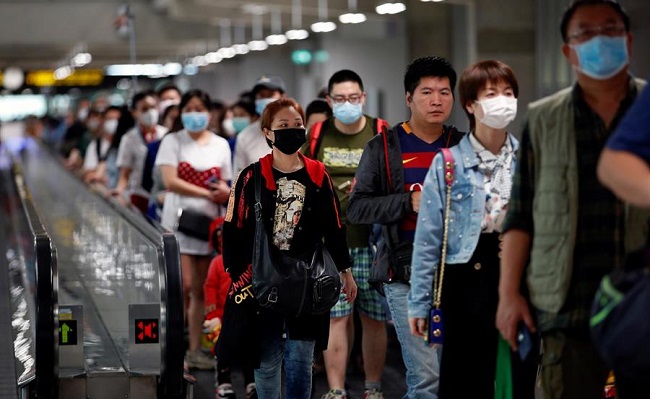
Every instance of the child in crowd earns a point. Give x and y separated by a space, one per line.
216 289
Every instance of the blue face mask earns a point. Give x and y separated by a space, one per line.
602 56
240 122
347 113
261 103
195 122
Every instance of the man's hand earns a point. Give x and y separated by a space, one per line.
349 287
415 200
512 309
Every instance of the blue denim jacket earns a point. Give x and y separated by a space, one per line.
466 214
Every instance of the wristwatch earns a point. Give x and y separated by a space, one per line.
346 270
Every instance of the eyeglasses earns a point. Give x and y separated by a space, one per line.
585 34
353 99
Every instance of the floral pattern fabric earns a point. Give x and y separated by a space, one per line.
497 179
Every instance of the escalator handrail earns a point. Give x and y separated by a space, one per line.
47 337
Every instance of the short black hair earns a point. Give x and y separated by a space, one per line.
432 66
344 75
141 96
247 106
112 108
318 106
167 87
575 4
200 94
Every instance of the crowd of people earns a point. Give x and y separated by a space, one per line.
491 236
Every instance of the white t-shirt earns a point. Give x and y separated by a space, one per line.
91 161
132 154
180 148
250 146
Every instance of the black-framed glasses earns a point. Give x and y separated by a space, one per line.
590 32
352 98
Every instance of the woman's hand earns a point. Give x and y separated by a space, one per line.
219 192
418 326
349 287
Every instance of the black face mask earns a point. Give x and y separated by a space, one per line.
289 141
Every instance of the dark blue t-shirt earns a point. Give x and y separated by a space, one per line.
633 132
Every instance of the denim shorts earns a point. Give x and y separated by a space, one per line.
368 301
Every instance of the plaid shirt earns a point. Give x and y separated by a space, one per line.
599 243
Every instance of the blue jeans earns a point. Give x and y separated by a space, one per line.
422 362
298 357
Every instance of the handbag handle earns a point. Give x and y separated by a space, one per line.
448 159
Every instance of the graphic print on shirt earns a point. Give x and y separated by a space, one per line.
341 157
288 208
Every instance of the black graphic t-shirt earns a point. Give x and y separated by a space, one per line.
290 198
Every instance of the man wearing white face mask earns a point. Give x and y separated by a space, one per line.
94 167
250 143
564 230
132 151
338 142
168 95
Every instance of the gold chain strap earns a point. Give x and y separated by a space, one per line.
440 271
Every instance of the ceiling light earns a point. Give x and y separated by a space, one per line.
213 57
63 72
352 16
81 59
199 60
319 27
241 48
258 45
390 8
323 25
172 68
275 40
190 69
297 34
227 52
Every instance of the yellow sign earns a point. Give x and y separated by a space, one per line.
80 77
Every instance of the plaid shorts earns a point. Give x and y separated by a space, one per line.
368 300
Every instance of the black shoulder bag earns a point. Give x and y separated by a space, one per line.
309 284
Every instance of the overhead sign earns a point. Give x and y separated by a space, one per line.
80 77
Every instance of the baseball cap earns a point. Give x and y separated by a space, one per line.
269 82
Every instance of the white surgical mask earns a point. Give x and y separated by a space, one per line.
149 118
110 126
162 105
498 111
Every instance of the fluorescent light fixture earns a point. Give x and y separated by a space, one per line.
134 69
297 34
199 60
81 59
190 69
172 68
241 48
276 40
226 52
390 8
352 18
63 72
213 57
322 27
258 45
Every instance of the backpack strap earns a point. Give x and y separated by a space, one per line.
384 134
316 138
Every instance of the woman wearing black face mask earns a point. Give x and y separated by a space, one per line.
299 208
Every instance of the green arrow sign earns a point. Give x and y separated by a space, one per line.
68 333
